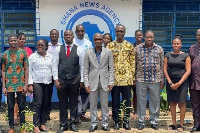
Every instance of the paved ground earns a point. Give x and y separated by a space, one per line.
53 124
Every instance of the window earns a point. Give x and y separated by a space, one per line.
17 16
169 17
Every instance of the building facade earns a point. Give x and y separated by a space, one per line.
36 18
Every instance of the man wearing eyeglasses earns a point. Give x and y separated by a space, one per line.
69 66
99 80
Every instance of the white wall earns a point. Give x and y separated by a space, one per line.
53 12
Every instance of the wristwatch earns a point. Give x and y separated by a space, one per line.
170 84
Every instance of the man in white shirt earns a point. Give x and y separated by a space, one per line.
83 98
53 48
69 64
54 45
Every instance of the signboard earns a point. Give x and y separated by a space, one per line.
96 15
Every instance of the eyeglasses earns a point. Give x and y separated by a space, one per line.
42 45
121 31
98 39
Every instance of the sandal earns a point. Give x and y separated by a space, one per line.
172 127
16 121
85 118
180 128
134 116
99 118
110 113
146 117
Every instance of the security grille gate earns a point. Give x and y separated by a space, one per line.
17 16
169 17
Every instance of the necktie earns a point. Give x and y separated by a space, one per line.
68 50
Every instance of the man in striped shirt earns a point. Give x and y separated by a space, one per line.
149 77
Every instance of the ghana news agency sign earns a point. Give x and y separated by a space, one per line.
95 16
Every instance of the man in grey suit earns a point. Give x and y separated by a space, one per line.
99 79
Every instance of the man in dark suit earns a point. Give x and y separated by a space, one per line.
69 67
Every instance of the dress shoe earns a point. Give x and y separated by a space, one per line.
155 126
116 126
44 130
195 129
74 128
140 127
126 126
62 129
11 131
93 128
105 128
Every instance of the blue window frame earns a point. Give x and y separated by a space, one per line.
169 17
17 16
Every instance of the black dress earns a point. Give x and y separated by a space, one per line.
176 69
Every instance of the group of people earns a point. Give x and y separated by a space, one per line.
81 73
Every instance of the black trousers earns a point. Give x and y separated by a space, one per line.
50 94
41 98
69 90
126 95
21 100
195 100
